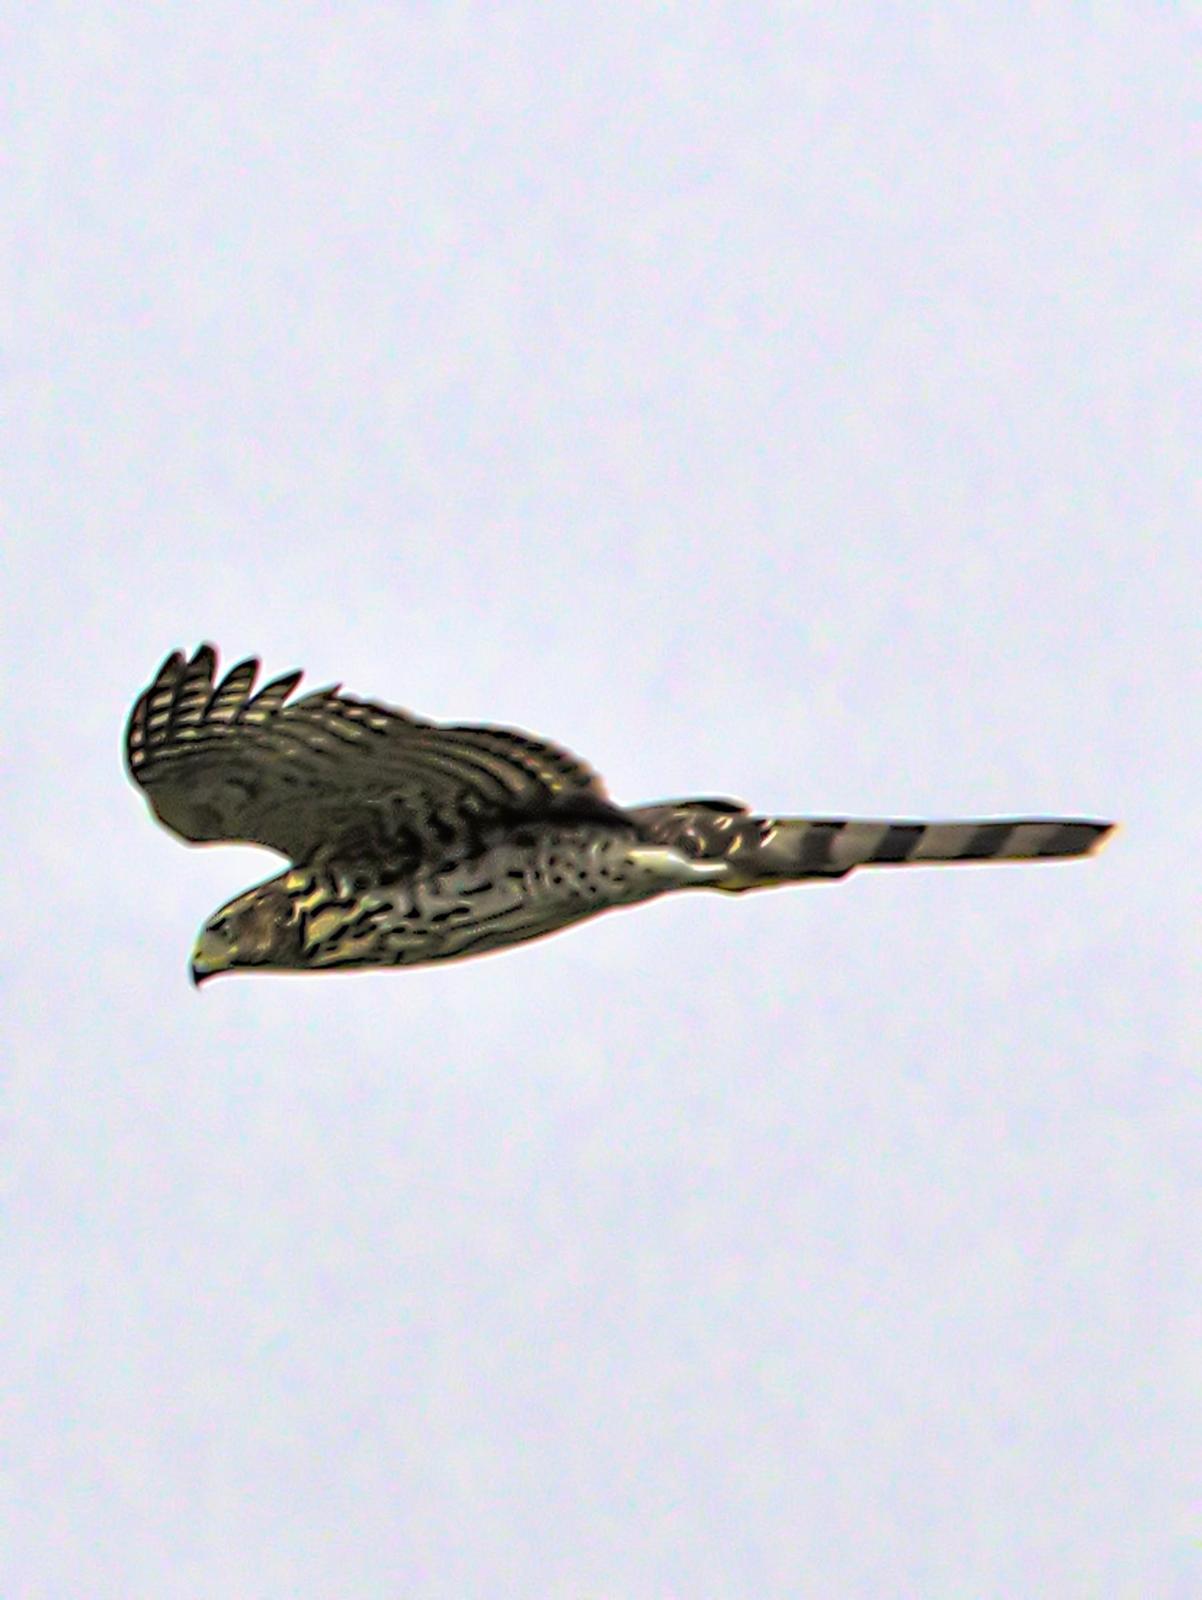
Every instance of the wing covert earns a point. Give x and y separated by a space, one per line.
328 775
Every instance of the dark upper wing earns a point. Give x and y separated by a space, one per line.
330 776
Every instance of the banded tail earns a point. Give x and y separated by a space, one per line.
762 852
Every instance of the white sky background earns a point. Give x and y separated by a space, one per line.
791 402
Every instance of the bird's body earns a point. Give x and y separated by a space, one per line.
507 887
412 842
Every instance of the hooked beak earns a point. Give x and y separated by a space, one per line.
212 954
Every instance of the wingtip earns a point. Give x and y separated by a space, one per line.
171 664
178 660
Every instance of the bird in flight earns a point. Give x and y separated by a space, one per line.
413 841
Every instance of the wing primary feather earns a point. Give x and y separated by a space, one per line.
161 695
229 697
316 696
271 697
193 689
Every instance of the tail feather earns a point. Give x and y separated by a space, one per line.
764 851
846 844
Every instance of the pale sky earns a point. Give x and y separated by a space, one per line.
793 402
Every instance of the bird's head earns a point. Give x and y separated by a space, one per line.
259 929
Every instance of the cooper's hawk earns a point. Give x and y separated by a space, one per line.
414 841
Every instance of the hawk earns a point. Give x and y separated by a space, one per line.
412 841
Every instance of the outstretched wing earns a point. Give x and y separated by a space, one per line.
330 776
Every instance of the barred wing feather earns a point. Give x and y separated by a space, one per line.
330 775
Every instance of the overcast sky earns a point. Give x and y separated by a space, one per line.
793 402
